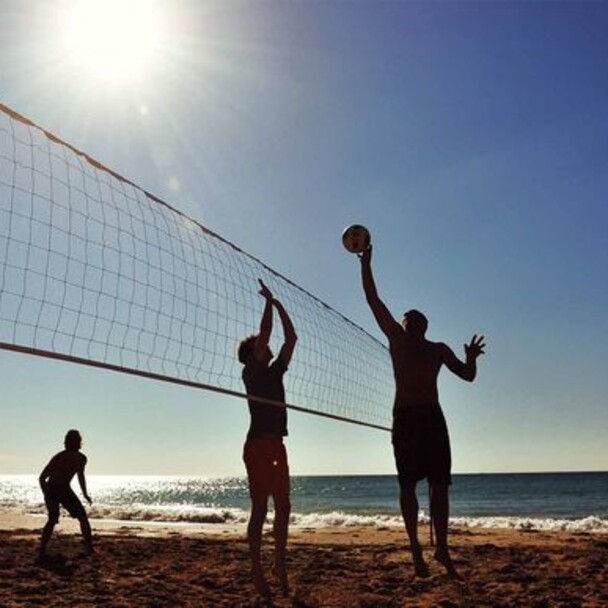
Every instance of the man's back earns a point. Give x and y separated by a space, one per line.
64 465
416 365
266 381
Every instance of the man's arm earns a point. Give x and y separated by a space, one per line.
83 482
45 475
289 334
383 317
261 343
466 370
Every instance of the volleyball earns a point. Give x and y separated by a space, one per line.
356 238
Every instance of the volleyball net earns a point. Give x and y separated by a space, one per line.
97 271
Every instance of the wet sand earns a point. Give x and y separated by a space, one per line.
159 565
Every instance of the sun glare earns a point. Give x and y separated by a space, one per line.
112 40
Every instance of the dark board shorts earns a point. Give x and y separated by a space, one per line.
56 496
267 468
421 444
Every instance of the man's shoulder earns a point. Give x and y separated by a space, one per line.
441 347
442 351
253 368
278 364
79 461
54 459
397 333
252 364
68 458
76 457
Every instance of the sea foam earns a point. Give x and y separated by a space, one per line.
334 519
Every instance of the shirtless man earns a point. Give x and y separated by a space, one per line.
420 438
55 483
264 452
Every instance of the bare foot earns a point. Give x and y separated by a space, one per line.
280 571
259 581
421 570
443 557
87 553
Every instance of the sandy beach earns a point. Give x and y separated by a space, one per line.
160 565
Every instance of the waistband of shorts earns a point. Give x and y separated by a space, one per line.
402 410
265 439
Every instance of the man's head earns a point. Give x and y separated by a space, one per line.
72 440
246 348
415 323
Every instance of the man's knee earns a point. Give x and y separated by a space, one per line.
282 505
53 516
439 489
259 504
408 489
83 519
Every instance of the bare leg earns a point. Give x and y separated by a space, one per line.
409 509
85 528
281 524
259 508
46 536
440 510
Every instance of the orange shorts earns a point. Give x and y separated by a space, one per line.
267 468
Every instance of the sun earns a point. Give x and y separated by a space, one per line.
112 40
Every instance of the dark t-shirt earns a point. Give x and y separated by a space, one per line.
262 381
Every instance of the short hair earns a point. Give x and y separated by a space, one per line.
246 347
72 440
417 318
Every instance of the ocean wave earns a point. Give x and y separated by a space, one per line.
161 513
334 519
338 519
591 524
341 519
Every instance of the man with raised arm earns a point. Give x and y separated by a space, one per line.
264 452
420 438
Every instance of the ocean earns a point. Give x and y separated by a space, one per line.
576 502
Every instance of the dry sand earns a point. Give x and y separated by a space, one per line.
158 565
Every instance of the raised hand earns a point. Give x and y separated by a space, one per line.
366 255
264 291
475 347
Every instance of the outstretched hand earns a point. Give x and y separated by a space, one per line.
475 347
264 291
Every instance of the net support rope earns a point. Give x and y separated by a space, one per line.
96 271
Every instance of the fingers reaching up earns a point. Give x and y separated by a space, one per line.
475 347
264 291
366 255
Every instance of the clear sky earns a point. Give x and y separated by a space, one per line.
472 140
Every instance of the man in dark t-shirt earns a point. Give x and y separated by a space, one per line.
55 484
264 452
266 381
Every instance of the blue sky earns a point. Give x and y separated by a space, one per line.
472 140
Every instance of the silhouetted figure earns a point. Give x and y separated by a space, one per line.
264 452
55 483
420 436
